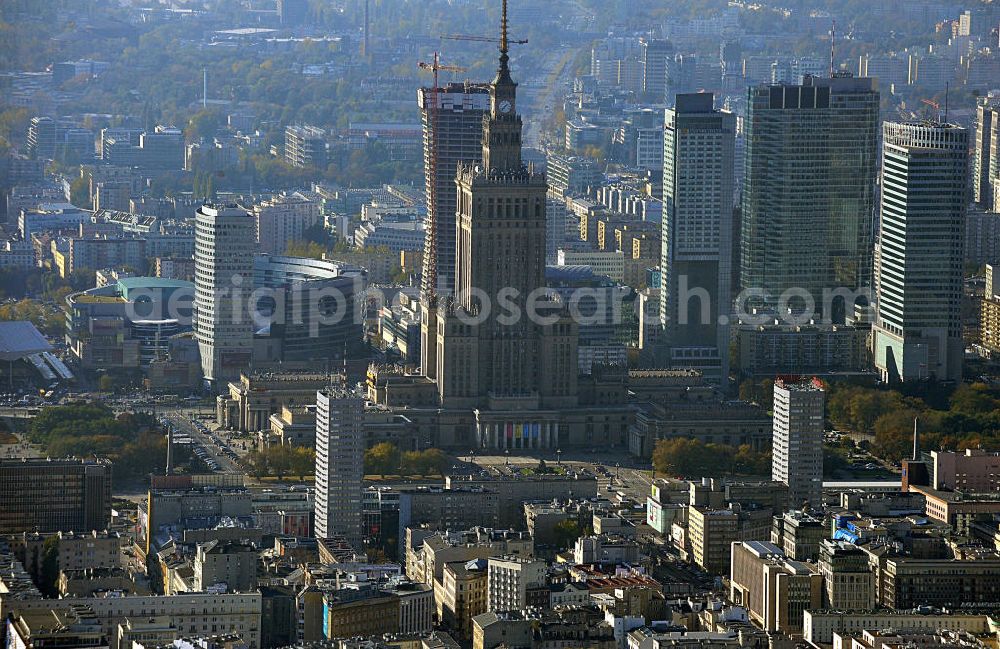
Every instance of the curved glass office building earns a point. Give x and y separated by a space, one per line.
306 309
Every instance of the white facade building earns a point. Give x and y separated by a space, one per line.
508 582
920 255
225 244
284 219
798 441
394 235
610 262
340 455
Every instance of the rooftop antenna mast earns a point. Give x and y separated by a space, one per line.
947 91
833 46
367 44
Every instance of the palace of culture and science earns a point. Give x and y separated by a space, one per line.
499 383
490 381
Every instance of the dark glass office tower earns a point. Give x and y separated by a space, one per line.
809 197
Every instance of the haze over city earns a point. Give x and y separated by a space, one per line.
469 324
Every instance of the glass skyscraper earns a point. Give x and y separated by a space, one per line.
918 276
809 197
696 250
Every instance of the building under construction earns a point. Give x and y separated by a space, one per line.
453 133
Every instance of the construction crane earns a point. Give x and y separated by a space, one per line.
937 106
480 39
429 283
933 104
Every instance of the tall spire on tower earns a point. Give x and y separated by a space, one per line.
503 28
502 133
503 73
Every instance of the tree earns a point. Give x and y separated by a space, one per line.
51 322
834 461
566 533
202 126
759 392
973 399
382 459
318 233
303 462
308 249
434 461
412 464
894 435
106 383
133 441
694 458
259 464
79 193
747 460
684 457
49 579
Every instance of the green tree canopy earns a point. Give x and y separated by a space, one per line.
693 458
382 459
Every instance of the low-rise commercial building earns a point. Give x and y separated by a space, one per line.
604 549
820 625
46 495
461 595
958 508
231 565
510 578
775 589
190 613
713 531
513 489
448 509
428 552
360 608
129 324
907 582
848 577
62 626
972 470
799 534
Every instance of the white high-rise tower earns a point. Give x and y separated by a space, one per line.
920 268
340 457
798 441
225 245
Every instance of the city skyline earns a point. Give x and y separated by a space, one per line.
647 325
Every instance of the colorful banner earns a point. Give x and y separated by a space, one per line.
510 431
536 431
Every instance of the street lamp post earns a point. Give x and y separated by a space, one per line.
559 456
